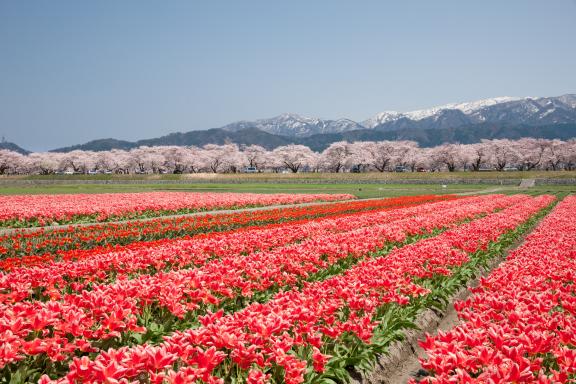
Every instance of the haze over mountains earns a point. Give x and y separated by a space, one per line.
501 117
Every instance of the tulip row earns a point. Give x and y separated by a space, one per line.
84 321
39 210
520 324
301 335
40 246
52 279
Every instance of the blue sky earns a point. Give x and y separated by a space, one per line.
73 71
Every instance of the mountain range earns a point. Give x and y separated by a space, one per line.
500 110
500 117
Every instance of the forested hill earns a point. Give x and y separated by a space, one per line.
434 137
219 136
13 147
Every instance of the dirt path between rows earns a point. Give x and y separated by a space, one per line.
410 368
482 191
402 361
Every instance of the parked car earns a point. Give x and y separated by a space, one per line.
486 168
250 170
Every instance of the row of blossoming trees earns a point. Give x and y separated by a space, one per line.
499 155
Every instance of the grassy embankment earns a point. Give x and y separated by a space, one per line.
363 185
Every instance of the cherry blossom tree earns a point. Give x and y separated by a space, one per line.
78 161
530 152
193 159
120 161
451 156
403 152
294 157
147 159
360 158
273 162
418 159
526 154
502 153
225 158
234 159
256 156
336 157
44 163
570 155
477 154
9 161
380 154
175 158
104 161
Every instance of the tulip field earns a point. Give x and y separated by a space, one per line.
295 294
71 242
38 210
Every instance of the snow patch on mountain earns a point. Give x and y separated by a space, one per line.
381 118
467 108
505 110
292 124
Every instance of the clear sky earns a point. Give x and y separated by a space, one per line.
77 70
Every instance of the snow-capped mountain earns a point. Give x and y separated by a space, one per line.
466 108
293 125
501 110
